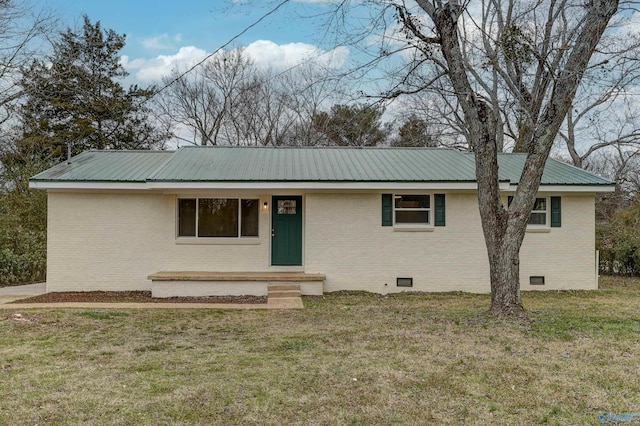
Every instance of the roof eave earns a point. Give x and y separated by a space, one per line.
310 185
53 184
573 187
262 185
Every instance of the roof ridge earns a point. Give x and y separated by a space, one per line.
354 148
128 151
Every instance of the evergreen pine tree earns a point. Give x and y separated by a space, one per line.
75 97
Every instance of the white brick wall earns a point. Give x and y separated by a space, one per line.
109 241
344 232
565 256
345 240
114 241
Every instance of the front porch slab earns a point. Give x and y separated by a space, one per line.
203 283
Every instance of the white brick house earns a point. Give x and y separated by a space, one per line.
381 220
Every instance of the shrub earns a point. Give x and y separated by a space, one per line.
619 242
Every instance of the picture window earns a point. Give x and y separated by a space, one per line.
218 217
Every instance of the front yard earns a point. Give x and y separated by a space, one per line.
345 359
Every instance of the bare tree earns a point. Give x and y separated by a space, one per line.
610 122
190 105
230 101
205 100
605 112
620 164
535 54
511 70
309 89
23 32
264 117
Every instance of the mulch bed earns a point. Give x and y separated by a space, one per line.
134 297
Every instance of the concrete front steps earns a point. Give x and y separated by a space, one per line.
284 290
284 295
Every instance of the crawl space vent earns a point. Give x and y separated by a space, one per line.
404 282
536 280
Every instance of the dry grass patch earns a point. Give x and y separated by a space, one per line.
347 359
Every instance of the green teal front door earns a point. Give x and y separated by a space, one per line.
286 230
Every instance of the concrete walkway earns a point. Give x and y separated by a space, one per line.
10 294
24 290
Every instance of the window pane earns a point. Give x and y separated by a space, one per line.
540 204
412 216
217 217
186 218
412 201
249 213
538 219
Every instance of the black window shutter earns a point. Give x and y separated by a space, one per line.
556 213
387 209
439 210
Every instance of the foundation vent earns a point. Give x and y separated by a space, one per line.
404 282
536 280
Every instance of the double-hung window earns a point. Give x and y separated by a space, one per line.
546 212
412 209
218 217
539 212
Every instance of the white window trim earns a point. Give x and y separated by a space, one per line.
222 241
547 220
412 227
547 217
216 240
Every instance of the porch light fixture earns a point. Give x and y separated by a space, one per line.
265 206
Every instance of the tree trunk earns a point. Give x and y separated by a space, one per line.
504 229
504 270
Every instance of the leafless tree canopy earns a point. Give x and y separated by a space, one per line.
230 101
508 71
23 33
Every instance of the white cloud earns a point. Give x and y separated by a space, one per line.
264 53
150 70
162 41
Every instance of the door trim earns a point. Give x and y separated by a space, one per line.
301 212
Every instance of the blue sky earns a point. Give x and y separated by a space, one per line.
161 33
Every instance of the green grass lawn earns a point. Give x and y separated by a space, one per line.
347 359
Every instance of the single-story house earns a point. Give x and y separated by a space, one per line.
227 220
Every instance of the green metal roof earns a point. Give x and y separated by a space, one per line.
555 172
241 164
107 166
257 164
